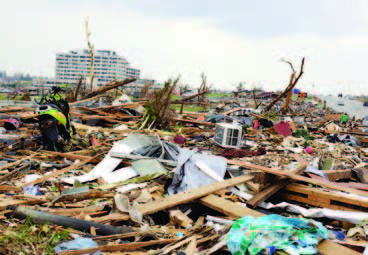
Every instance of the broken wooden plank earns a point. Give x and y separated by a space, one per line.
117 236
334 175
190 195
62 171
325 199
234 210
326 184
5 203
266 193
10 188
208 124
70 156
328 247
111 217
4 177
14 164
178 217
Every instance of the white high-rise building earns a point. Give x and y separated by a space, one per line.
108 66
132 73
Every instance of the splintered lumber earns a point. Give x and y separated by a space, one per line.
70 156
62 171
82 196
111 217
296 177
325 199
10 188
262 196
12 202
72 211
334 175
190 195
4 177
194 122
14 164
110 87
40 217
118 236
227 207
119 247
83 101
328 247
178 217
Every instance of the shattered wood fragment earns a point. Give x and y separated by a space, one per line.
262 196
325 199
178 217
227 207
62 171
118 236
297 177
4 177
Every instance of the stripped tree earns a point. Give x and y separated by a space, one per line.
292 83
158 113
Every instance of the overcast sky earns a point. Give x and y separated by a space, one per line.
231 41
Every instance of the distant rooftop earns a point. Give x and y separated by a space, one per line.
97 52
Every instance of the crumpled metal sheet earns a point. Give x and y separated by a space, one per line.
145 146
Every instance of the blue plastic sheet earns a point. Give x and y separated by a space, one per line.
77 244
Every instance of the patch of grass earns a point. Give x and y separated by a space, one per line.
218 95
189 108
272 116
3 97
28 238
362 99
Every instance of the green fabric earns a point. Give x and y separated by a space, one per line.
344 118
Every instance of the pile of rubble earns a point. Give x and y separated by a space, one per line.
229 180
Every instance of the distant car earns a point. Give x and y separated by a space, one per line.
365 104
340 103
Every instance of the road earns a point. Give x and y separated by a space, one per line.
351 107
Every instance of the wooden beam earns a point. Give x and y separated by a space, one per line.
326 184
269 191
184 197
334 175
234 210
322 198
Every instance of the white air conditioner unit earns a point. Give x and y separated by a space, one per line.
228 135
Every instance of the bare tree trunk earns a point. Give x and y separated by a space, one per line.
109 87
292 83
